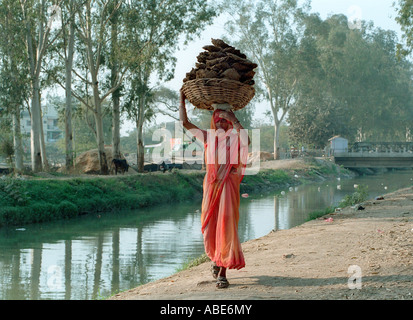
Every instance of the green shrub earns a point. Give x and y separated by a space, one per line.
359 196
40 212
8 215
67 209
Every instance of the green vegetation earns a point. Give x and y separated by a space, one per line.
193 262
319 213
359 196
32 201
265 179
41 200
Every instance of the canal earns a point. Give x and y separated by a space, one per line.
96 256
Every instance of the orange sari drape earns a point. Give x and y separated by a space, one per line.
225 157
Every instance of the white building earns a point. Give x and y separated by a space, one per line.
337 145
50 120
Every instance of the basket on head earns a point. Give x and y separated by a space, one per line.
203 93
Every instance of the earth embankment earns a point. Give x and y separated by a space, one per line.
345 255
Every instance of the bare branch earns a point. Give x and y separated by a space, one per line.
78 97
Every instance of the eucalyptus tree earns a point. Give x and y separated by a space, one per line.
156 27
269 33
59 64
14 84
37 18
79 65
93 32
68 12
114 66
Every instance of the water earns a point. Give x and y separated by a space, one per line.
98 255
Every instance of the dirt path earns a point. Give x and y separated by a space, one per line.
312 261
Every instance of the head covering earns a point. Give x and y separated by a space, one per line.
216 117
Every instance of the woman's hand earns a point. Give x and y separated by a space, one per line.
229 115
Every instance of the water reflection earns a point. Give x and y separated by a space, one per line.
96 256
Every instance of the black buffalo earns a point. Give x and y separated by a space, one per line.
151 167
120 164
169 166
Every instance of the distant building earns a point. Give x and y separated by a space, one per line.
51 131
337 144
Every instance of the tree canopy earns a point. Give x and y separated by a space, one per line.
356 87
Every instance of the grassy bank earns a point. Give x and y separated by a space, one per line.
33 201
25 201
39 200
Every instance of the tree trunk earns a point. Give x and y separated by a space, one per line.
99 134
116 127
35 128
276 140
97 105
17 140
116 94
68 87
35 56
45 163
139 127
68 122
408 135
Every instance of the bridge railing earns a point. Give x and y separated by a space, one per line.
381 147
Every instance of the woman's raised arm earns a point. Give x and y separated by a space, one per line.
197 132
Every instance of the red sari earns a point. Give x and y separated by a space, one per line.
225 155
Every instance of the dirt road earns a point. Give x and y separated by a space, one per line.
351 254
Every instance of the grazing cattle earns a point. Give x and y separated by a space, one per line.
151 167
119 164
169 166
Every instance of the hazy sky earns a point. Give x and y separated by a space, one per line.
381 12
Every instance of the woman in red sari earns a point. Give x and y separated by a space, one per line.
226 152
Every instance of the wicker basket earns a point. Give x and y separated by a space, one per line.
202 93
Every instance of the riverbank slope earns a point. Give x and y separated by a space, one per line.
349 254
45 197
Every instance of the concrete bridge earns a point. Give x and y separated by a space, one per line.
376 155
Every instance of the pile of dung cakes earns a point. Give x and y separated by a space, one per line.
222 61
